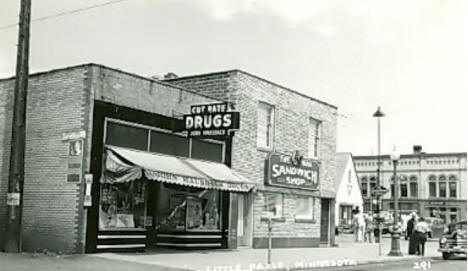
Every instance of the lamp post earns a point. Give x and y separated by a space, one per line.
378 114
395 248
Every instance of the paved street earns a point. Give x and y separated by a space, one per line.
360 256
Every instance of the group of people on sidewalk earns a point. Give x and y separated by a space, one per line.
363 226
416 232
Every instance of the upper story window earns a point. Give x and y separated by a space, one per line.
314 138
364 188
452 189
265 125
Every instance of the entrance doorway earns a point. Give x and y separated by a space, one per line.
324 221
244 221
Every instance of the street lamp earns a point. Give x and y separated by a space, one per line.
395 249
378 114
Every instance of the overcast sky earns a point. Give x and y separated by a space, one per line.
409 57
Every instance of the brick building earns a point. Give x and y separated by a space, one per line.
108 166
431 184
275 119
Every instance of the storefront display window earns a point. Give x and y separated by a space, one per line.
188 209
303 208
273 206
122 205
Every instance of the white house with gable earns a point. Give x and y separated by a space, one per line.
348 192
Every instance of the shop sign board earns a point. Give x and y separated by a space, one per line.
211 120
282 170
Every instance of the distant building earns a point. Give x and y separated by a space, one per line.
348 192
431 184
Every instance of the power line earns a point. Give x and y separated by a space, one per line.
66 13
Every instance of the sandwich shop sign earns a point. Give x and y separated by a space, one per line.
211 120
288 171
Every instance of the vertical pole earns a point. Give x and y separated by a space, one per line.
378 186
269 238
16 170
395 245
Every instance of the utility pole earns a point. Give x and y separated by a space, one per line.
18 134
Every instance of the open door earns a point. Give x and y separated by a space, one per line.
324 221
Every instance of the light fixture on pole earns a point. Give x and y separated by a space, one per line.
378 114
395 248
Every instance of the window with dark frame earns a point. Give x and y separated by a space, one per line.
452 189
414 189
403 190
442 190
432 189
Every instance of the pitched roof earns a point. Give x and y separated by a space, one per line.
341 162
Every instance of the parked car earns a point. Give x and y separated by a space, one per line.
454 240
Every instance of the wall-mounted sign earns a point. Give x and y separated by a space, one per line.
73 135
211 120
75 147
13 199
280 171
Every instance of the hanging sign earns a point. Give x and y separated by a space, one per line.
285 171
211 120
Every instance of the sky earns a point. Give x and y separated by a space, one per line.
408 57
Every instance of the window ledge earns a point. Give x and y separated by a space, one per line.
301 220
264 149
278 219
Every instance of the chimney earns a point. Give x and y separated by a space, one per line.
170 75
417 149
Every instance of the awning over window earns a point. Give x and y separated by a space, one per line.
170 169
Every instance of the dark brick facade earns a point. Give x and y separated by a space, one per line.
61 101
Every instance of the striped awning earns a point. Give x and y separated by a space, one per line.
124 165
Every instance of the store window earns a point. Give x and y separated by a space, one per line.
169 144
122 135
206 150
273 206
265 122
442 190
452 189
314 138
122 205
304 208
188 209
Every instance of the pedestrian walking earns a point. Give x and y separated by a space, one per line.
358 225
411 234
420 231
369 229
410 226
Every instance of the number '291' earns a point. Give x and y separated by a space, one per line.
422 265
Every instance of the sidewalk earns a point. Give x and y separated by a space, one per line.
348 253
